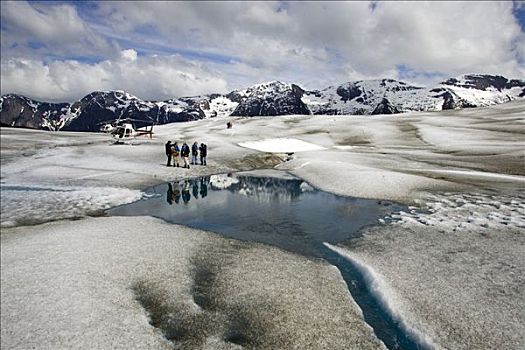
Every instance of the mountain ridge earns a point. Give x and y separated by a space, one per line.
362 97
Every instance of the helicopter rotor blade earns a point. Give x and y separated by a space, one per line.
110 121
136 120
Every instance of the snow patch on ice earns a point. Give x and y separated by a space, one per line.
221 182
345 148
281 145
460 211
22 205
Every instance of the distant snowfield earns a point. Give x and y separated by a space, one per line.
282 145
452 268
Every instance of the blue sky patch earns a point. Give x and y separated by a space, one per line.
408 73
519 13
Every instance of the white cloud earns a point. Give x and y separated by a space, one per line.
58 29
448 37
313 44
129 55
146 77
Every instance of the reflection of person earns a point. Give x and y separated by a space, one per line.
169 194
186 192
204 188
176 193
195 189
167 146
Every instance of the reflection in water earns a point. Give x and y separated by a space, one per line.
204 187
199 188
195 189
173 194
186 192
287 213
263 189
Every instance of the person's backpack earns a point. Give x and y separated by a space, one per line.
176 150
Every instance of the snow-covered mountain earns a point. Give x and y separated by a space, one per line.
92 110
385 96
388 96
20 111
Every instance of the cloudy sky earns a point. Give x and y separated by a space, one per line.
62 50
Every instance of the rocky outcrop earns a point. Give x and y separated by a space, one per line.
485 82
273 98
385 107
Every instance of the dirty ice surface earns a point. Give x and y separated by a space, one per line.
137 282
454 273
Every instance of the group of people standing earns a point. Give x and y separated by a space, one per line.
174 151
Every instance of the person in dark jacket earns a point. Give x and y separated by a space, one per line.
185 153
194 153
204 153
167 146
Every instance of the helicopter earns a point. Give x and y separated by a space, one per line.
122 130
